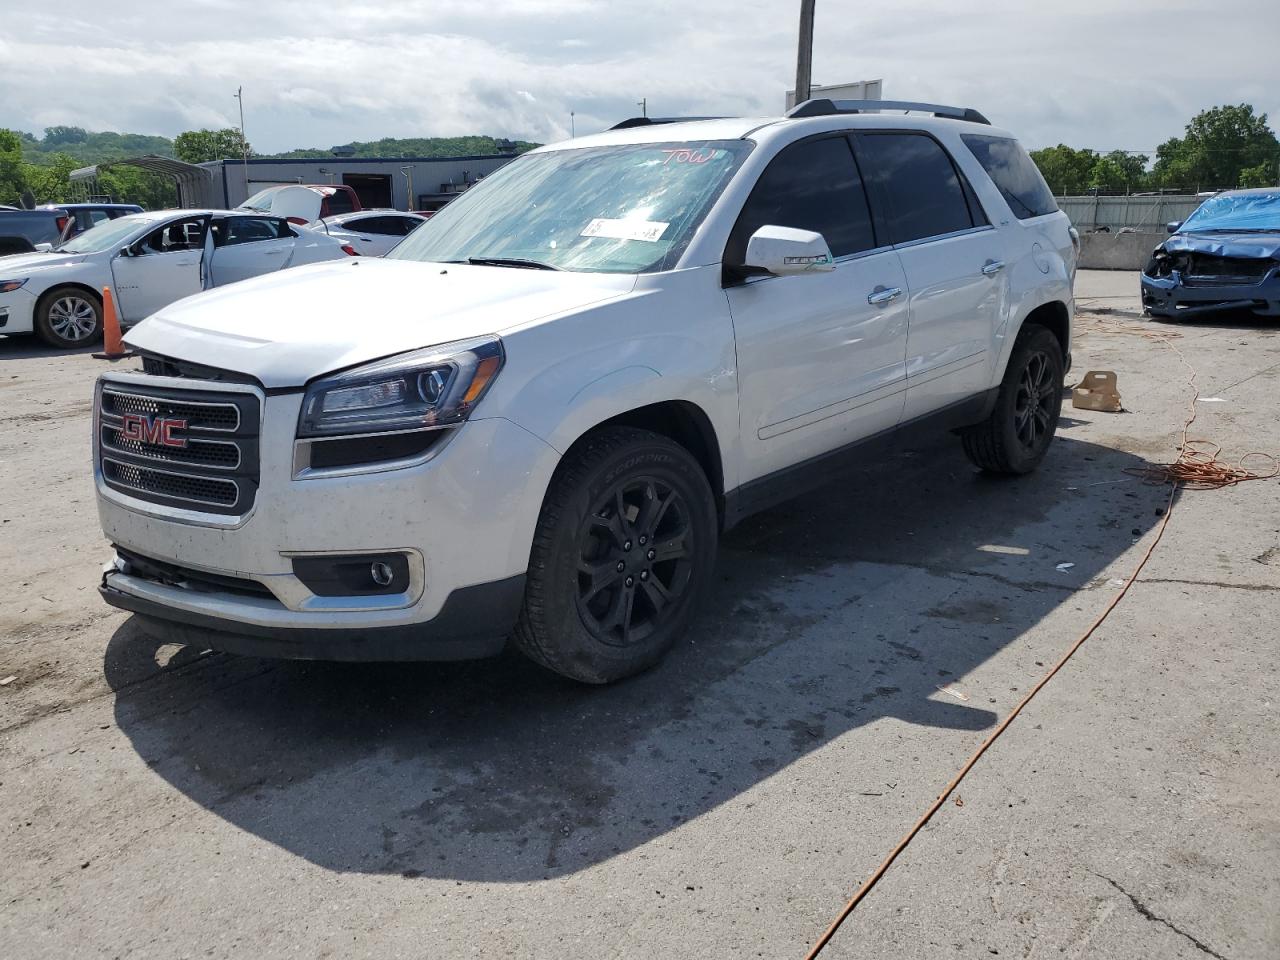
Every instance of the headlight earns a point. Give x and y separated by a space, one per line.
8 286
435 387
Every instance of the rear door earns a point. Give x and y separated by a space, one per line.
954 262
375 234
246 246
820 356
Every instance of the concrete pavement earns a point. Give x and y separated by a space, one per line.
862 640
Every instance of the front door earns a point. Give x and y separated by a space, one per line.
821 356
954 260
162 267
246 247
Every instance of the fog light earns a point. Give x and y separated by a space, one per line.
353 575
381 573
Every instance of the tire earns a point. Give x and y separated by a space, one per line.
1015 437
624 548
69 317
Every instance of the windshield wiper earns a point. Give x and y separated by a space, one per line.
510 262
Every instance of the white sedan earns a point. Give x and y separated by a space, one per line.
149 260
372 232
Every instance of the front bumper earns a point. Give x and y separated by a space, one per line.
463 517
1170 296
17 310
473 622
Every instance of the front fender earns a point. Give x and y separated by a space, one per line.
670 343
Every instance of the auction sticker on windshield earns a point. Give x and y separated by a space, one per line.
649 230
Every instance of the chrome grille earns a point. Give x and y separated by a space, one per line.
200 416
194 449
218 454
165 483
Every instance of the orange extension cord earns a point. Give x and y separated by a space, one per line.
1196 468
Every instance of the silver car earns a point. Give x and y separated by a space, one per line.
372 232
149 260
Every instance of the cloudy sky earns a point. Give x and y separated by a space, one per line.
1088 73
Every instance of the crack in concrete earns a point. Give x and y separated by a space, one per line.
1213 583
1250 377
1145 911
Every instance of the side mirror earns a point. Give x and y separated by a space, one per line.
126 251
1173 225
787 252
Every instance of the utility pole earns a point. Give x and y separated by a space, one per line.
407 170
571 133
643 104
244 145
804 54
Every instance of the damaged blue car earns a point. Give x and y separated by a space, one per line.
1225 256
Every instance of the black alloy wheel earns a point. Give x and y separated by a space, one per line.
1034 410
1016 435
624 547
635 560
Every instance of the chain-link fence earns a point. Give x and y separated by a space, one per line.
1137 213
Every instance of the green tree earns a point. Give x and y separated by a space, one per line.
413 147
12 181
50 181
1118 172
57 136
1065 169
1266 174
199 146
1219 147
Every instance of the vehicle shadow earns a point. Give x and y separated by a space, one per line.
1221 320
21 347
845 607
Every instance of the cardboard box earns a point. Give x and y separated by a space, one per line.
1097 390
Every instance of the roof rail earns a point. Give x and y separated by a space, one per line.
825 108
646 121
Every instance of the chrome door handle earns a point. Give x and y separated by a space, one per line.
992 267
883 295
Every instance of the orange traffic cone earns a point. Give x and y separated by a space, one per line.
112 342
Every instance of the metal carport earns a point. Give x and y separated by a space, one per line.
194 183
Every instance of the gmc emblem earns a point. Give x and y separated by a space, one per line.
154 430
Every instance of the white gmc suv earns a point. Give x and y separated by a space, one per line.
533 419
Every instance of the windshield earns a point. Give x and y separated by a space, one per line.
614 209
1241 211
104 236
260 201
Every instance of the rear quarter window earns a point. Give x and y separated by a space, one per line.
1014 173
923 193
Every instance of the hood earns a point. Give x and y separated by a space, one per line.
1259 246
24 264
289 327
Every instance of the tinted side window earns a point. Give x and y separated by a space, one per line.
922 191
248 230
1014 173
813 185
382 226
